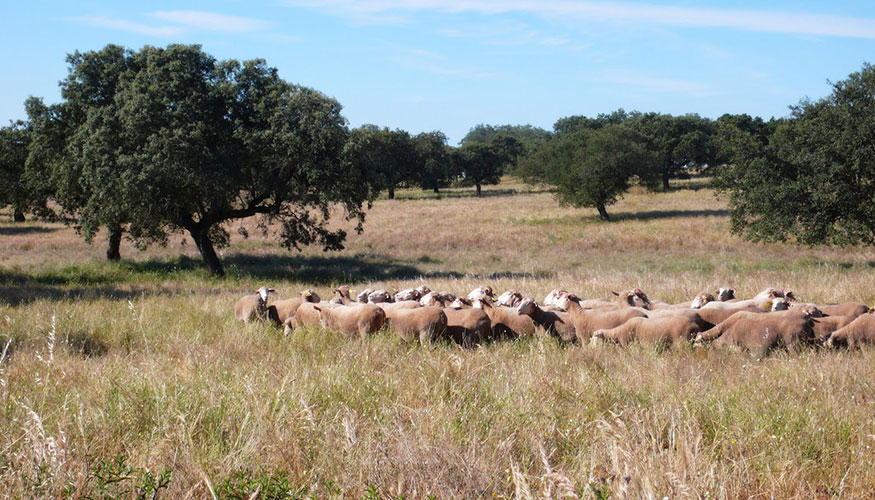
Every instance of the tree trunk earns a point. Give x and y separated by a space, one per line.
205 247
665 175
602 212
478 189
115 240
436 189
392 191
18 215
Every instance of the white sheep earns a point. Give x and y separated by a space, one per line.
253 306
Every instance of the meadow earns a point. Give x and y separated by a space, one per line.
134 379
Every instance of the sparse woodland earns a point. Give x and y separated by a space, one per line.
130 377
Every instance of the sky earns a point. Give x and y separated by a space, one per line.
449 65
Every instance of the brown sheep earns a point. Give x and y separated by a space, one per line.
854 334
717 316
555 323
411 293
587 321
761 333
467 327
390 307
253 306
425 323
846 309
306 316
282 310
825 326
669 329
689 314
633 298
506 322
481 292
437 299
361 319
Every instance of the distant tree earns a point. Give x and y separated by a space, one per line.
388 157
484 163
190 144
576 123
528 136
591 167
434 168
727 126
14 189
680 141
813 180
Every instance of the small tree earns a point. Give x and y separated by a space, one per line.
482 163
680 141
591 168
813 180
434 168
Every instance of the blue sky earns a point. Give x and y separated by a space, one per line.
423 65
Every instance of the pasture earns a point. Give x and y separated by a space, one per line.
134 379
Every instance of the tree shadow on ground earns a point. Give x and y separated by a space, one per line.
466 193
19 230
664 214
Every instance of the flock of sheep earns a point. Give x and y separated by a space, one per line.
772 318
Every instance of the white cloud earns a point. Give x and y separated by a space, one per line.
129 26
209 21
766 21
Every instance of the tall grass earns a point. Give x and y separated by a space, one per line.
134 379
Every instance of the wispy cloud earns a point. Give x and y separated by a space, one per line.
208 21
767 21
129 26
438 64
652 83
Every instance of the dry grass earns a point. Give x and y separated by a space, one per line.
117 372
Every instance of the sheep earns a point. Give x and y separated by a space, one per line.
689 314
717 316
725 294
282 310
467 326
363 295
510 298
825 326
481 292
673 329
390 307
361 319
765 303
553 322
412 293
587 321
437 299
254 306
761 333
426 323
854 334
846 309
342 296
506 322
552 297
562 302
379 296
633 298
461 303
306 316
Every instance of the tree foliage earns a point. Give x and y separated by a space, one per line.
814 179
169 139
434 166
15 190
681 142
484 163
388 157
591 167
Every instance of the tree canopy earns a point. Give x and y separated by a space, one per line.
170 139
484 163
14 188
814 179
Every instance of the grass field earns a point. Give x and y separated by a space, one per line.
134 379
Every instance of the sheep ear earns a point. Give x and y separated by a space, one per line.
615 293
871 310
317 308
271 290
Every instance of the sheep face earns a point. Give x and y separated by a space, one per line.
552 297
481 292
463 303
725 294
263 293
363 296
564 299
310 296
527 306
379 296
637 298
779 304
700 300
